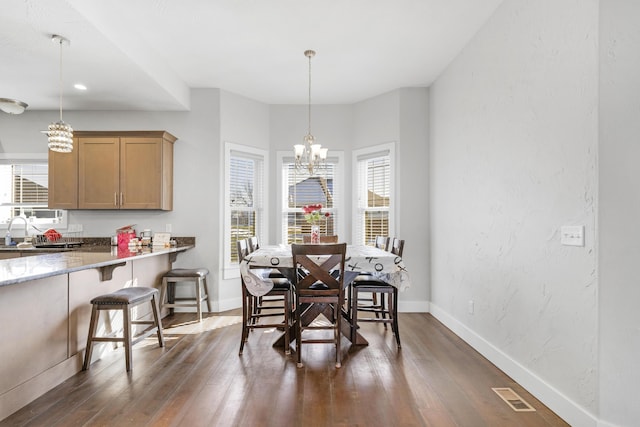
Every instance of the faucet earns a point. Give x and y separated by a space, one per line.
26 225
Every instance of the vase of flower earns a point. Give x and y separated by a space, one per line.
312 215
315 234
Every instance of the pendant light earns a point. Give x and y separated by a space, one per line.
309 156
60 133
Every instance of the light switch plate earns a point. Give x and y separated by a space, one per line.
572 235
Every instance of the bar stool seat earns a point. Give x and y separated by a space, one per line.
124 299
196 275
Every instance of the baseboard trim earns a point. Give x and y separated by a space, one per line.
413 306
30 390
567 409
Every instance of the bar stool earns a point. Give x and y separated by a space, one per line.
196 275
124 299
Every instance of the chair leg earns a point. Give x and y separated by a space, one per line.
199 300
298 337
155 306
245 318
92 331
287 310
126 326
206 290
395 314
374 303
163 292
338 332
354 314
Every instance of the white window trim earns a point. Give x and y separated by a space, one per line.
338 201
12 158
231 271
391 147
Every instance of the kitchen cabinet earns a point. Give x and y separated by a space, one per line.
119 170
63 179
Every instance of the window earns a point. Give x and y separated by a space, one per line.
24 192
300 189
373 193
245 211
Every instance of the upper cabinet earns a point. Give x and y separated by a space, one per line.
114 170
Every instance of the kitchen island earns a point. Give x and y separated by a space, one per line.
45 310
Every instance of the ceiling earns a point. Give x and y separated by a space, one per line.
147 54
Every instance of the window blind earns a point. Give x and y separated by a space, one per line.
374 197
24 191
245 199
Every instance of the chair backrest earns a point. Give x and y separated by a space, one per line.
316 263
396 247
253 243
382 242
306 238
242 246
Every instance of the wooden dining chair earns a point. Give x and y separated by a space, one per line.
387 309
373 302
253 243
382 242
256 309
319 287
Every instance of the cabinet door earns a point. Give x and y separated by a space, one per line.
98 173
63 179
141 173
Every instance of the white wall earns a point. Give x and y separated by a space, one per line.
619 209
513 158
401 116
246 122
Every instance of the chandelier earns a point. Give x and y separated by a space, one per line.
309 156
60 134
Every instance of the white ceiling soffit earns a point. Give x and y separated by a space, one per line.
146 55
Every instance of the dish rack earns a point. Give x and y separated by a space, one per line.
66 240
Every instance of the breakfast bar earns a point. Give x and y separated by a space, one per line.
45 299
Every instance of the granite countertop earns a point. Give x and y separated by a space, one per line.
23 269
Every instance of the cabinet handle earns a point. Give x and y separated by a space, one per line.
115 199
121 200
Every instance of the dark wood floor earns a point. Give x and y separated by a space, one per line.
198 379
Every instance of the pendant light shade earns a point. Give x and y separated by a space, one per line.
60 133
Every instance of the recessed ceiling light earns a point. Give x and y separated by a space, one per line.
80 86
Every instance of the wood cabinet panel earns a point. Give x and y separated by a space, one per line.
114 170
63 179
141 173
99 177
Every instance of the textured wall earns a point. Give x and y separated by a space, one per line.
513 158
619 209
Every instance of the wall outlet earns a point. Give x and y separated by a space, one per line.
470 307
167 228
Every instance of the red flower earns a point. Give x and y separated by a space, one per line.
327 214
311 208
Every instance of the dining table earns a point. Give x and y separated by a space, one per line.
258 265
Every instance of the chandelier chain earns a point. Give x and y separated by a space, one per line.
61 86
309 107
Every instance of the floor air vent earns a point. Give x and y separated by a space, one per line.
512 399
